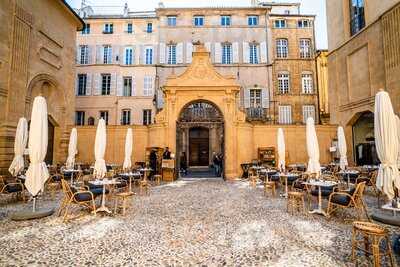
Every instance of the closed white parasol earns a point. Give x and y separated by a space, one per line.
128 150
387 146
72 150
21 138
342 148
281 150
100 149
312 148
37 173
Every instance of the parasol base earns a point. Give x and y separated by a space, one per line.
386 218
30 215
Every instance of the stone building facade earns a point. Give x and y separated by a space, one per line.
37 57
363 58
241 41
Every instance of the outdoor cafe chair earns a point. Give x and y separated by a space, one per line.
11 188
77 196
353 198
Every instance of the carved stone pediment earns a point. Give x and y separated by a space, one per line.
201 73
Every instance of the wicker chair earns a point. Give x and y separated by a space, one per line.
81 197
348 199
11 188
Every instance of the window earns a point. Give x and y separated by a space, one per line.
285 114
127 90
105 84
283 83
82 81
104 115
149 27
90 121
357 19
107 54
79 117
227 54
149 56
304 23
307 83
281 48
146 116
128 60
198 21
84 54
308 111
255 98
253 53
287 12
252 20
148 86
129 28
126 117
171 21
172 54
225 20
305 48
280 23
86 29
108 28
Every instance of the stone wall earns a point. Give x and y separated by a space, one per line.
249 138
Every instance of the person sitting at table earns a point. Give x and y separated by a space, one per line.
167 153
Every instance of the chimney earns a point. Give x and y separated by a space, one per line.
126 10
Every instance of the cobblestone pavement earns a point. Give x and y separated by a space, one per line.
204 222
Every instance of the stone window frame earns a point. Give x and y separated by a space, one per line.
282 47
285 118
307 110
307 83
283 78
126 116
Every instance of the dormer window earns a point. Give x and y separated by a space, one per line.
149 27
108 28
280 23
86 29
304 23
129 28
171 21
225 20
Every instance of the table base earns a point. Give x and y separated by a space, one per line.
318 211
103 209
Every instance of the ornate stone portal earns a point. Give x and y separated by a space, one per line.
200 103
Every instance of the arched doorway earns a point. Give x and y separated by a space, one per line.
200 134
364 139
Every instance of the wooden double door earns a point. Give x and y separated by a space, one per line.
199 146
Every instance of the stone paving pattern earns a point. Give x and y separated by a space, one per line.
203 222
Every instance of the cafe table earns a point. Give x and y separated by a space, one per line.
104 182
320 184
130 175
285 176
72 172
349 174
145 172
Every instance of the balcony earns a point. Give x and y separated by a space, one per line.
257 114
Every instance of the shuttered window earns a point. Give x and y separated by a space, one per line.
285 114
283 83
308 111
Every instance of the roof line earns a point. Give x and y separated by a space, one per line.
64 2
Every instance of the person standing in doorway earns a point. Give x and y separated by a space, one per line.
215 163
220 164
167 153
153 162
183 163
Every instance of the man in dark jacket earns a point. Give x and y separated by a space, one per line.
167 153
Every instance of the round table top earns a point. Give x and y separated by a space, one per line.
104 182
145 169
66 170
128 174
287 175
349 172
269 171
321 183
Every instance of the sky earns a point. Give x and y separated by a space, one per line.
309 7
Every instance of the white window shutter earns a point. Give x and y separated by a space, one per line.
162 48
152 83
235 51
264 98
246 98
133 86
189 52
76 84
110 55
99 54
113 83
120 85
97 84
138 54
142 55
116 55
179 53
246 52
122 60
88 84
217 53
208 47
160 99
263 52
78 54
